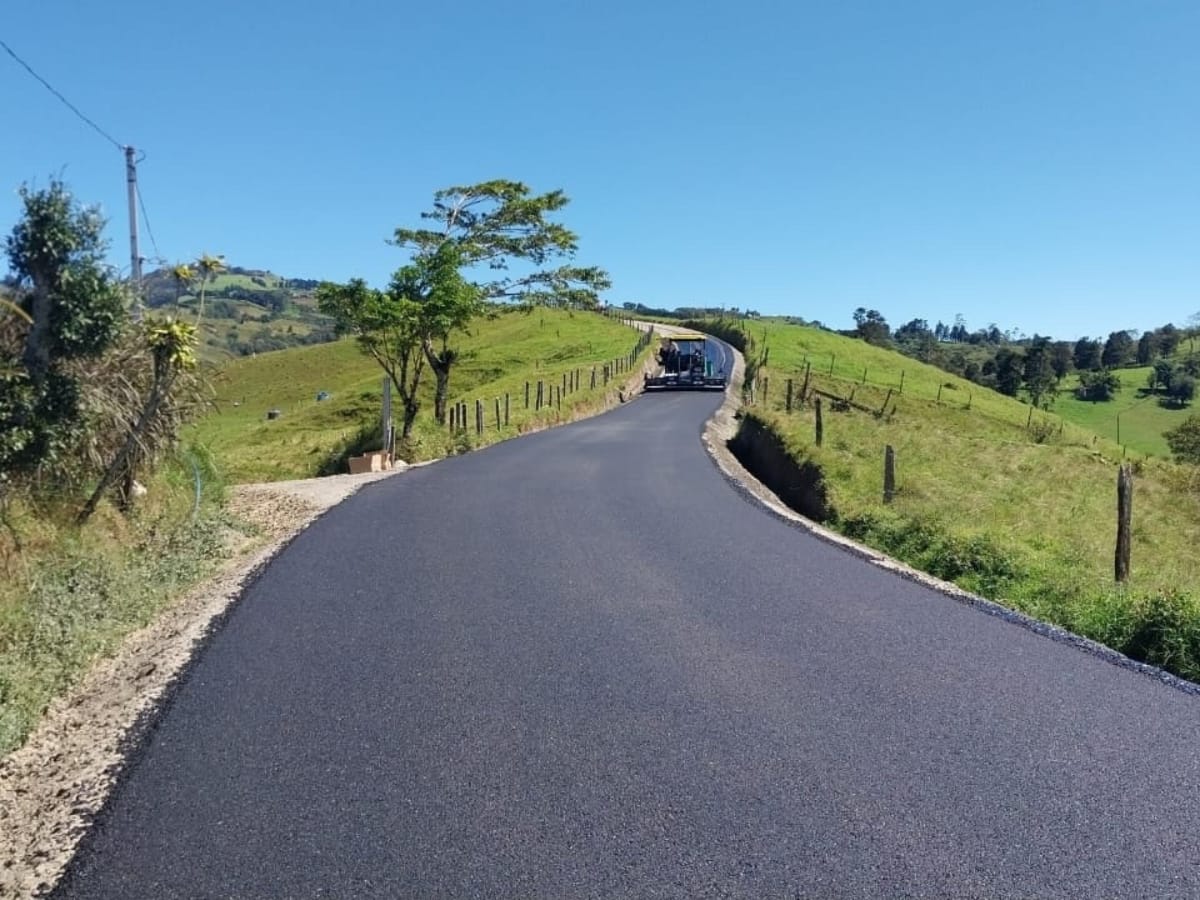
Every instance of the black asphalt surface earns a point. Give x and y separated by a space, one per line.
581 665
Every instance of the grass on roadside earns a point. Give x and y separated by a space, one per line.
69 595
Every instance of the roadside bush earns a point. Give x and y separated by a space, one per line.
1161 629
1184 440
973 562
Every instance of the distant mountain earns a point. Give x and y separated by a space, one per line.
246 311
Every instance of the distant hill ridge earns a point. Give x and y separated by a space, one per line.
246 311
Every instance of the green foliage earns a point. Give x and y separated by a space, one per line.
1087 354
387 326
972 561
1119 350
1162 628
1181 389
74 311
1184 440
171 345
1009 372
872 327
1038 373
1098 386
56 254
81 592
494 223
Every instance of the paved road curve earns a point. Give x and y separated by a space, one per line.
581 665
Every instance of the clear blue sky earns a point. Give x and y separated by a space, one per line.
1032 164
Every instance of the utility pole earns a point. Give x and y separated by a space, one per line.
135 259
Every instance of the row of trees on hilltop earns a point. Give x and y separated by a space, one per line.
1011 363
474 231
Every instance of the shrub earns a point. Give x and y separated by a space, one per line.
1184 440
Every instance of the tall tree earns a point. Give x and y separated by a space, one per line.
1168 338
1061 358
387 326
1009 371
485 228
1038 372
1184 440
1087 354
1118 350
448 303
73 309
871 326
1145 348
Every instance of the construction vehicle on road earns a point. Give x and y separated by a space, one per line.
685 364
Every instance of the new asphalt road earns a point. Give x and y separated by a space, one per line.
581 665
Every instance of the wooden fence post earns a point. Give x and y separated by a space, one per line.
527 395
889 473
479 417
864 380
453 416
804 390
788 401
497 413
506 410
1124 521
820 425
939 396
901 381
886 401
1029 421
765 382
593 378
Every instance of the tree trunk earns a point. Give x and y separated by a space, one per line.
441 393
440 363
410 415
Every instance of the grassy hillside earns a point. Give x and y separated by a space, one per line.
498 357
1143 418
246 312
1020 508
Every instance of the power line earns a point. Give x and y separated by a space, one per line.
71 106
150 231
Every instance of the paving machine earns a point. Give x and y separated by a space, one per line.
684 364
